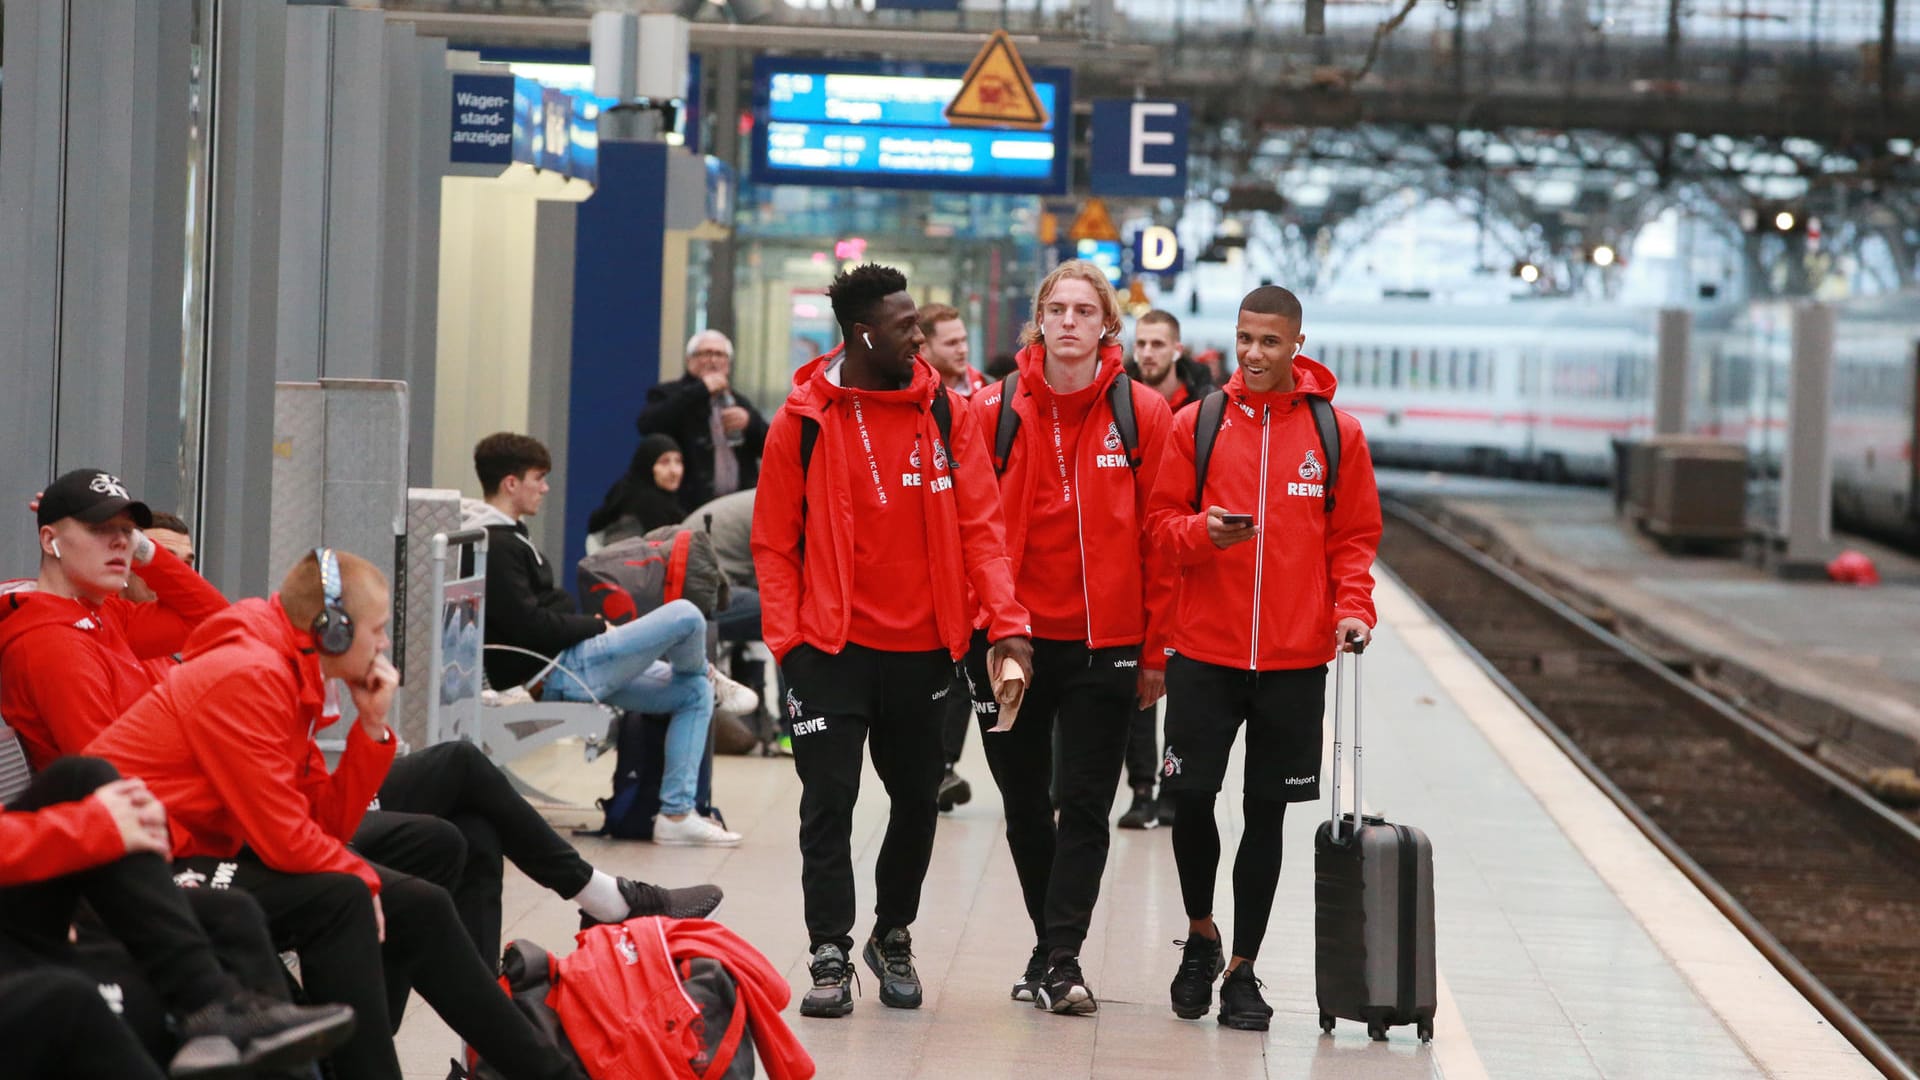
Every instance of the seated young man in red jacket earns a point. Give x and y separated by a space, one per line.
1097 589
80 833
111 607
866 531
1267 597
226 743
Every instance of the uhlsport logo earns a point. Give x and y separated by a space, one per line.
1113 435
1311 469
1170 765
108 484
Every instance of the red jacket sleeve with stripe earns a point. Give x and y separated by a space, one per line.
44 844
184 600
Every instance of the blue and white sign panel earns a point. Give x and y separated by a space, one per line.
1156 250
482 120
1139 148
853 124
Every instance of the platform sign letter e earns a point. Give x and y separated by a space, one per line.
1139 148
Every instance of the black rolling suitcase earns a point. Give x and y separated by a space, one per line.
1373 907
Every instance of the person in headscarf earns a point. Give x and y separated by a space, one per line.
646 494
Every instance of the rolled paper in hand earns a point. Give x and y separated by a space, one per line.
1009 688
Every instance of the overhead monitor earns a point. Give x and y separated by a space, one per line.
1104 254
862 124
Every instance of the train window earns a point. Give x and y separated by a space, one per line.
1394 377
1378 376
1453 369
1473 369
1416 370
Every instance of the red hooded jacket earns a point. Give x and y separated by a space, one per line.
1270 603
38 845
1128 580
807 599
620 1001
226 743
67 669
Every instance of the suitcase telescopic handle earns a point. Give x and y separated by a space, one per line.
1339 758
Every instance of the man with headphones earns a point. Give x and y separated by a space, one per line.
226 743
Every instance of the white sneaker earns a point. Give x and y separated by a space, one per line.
691 831
731 697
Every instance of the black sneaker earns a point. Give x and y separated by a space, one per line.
832 993
251 1031
1144 813
1200 964
891 959
1029 982
1064 990
692 902
1241 1006
953 790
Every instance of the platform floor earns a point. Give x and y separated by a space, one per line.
1853 647
1568 947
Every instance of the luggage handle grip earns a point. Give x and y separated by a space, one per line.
1339 758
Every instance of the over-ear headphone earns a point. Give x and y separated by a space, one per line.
332 627
56 549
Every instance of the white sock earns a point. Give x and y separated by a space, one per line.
601 898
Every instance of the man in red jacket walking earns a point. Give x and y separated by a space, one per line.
226 744
1079 462
876 509
1275 552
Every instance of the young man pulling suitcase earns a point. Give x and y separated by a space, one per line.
1266 500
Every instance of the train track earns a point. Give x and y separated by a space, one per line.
1819 875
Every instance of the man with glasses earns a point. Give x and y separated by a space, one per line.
719 431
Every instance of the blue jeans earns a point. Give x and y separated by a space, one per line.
620 667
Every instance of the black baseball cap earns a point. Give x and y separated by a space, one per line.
93 496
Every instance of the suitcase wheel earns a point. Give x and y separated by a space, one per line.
1425 1029
1326 1024
1377 1031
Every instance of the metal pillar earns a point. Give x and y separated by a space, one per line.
92 215
1806 479
726 147
1670 382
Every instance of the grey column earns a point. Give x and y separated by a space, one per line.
243 296
92 216
1670 379
434 105
1806 480
550 355
726 146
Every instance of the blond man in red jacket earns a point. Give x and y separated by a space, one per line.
1275 560
867 530
226 743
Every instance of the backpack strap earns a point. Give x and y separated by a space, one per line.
1206 428
1120 401
729 1046
1329 427
943 419
809 435
1009 423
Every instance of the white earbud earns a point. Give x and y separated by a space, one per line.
56 548
865 338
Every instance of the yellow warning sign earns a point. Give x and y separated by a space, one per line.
997 91
1094 223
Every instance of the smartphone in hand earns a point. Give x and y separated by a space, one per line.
1233 520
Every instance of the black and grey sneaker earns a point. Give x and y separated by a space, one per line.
891 959
954 790
1064 990
1200 964
1241 1006
1144 813
1029 981
832 993
692 902
251 1031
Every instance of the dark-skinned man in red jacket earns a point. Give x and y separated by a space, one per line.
874 514
1267 598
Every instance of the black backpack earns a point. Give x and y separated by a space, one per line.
942 418
639 763
1119 399
1206 428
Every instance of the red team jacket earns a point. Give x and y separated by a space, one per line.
68 670
806 600
620 1001
1270 603
226 743
59 840
1128 579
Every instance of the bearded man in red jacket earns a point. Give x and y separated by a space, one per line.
876 511
1275 553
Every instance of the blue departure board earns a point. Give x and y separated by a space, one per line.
853 124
